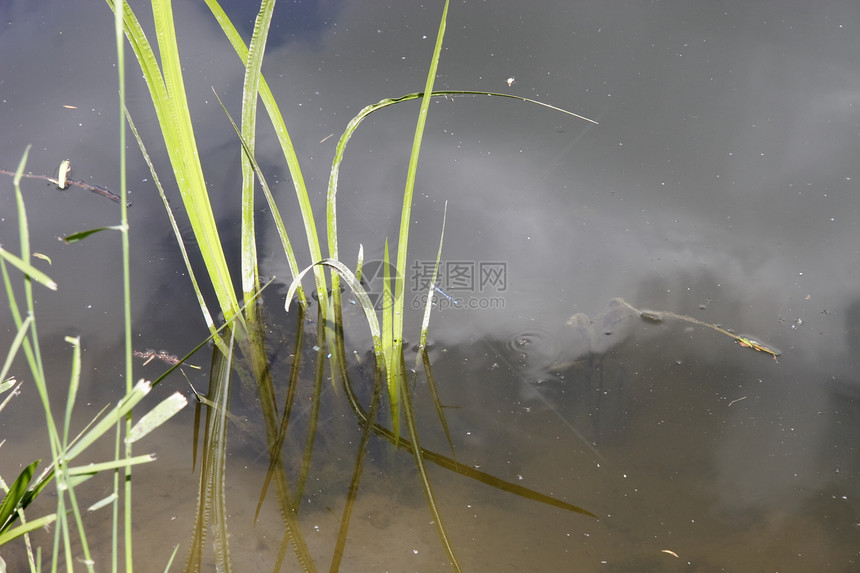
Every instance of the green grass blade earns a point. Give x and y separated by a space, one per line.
273 208
28 269
250 273
157 416
74 382
12 500
406 212
204 308
13 350
285 142
186 161
124 406
92 469
167 92
27 528
389 346
80 236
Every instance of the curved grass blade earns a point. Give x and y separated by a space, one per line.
366 111
357 289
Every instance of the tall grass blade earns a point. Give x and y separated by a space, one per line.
204 308
406 212
167 92
285 142
389 345
250 273
273 207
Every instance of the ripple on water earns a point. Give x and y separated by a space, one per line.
534 350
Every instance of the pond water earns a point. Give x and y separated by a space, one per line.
720 185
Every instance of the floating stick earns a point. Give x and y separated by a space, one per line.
745 341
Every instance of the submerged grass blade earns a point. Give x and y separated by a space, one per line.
437 403
211 514
352 493
418 454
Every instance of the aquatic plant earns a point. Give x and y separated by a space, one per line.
243 347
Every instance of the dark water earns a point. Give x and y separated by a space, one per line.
720 184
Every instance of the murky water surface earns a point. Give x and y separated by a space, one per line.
720 185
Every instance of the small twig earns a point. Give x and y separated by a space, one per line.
63 183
